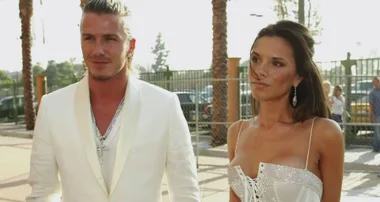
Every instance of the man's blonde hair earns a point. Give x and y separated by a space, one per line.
116 7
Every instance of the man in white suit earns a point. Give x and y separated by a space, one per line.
110 137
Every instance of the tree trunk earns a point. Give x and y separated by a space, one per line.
309 14
281 9
301 11
219 72
26 12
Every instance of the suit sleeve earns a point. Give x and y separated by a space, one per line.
43 176
181 168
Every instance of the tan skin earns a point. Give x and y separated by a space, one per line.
326 90
105 49
272 137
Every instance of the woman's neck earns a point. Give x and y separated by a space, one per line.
272 112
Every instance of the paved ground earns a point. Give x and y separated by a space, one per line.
358 186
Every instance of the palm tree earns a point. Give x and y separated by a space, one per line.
219 71
26 12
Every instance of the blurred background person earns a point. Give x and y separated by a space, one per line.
337 105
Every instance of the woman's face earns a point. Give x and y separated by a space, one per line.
326 88
338 91
272 69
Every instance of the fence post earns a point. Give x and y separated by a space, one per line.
41 88
168 74
15 105
349 135
197 122
233 90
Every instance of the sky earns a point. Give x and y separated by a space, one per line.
187 30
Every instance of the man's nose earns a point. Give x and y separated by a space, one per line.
99 48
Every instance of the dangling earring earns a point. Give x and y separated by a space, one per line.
295 97
129 55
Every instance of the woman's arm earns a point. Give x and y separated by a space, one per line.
331 147
232 134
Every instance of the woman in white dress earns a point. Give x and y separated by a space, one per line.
290 151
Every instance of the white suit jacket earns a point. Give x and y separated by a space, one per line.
154 138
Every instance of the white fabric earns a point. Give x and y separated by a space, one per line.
110 154
153 138
276 183
337 106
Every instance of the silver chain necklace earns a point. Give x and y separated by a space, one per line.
102 148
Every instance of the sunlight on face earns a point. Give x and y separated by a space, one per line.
104 45
272 69
326 88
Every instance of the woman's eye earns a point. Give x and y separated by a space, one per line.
278 64
255 59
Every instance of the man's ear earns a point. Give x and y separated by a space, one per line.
132 45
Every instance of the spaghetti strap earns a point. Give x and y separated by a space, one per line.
237 139
310 137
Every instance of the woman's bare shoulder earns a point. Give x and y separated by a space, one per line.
235 128
328 133
232 136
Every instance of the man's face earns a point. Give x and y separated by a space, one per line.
376 83
104 45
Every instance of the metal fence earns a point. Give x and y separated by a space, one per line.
195 89
196 93
12 99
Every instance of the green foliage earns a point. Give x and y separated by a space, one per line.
245 63
5 76
160 53
288 10
58 74
62 74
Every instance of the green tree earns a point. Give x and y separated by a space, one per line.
5 77
141 69
65 71
160 53
37 70
60 74
289 10
245 63
78 68
51 73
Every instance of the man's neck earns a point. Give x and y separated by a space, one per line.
109 91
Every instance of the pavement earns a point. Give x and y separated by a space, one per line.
361 182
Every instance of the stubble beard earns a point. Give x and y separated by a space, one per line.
103 78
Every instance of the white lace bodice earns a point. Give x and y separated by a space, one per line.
276 183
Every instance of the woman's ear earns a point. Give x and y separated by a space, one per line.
297 81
